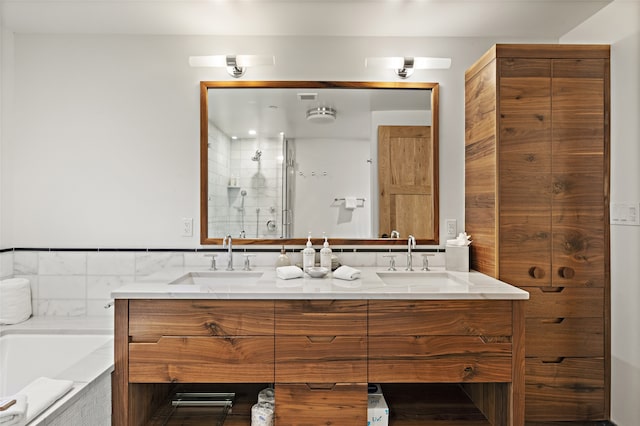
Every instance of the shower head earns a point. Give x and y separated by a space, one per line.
243 193
257 155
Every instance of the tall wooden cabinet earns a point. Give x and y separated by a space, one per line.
537 208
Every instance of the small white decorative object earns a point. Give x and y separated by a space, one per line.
457 253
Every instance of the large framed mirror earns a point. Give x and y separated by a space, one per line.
357 161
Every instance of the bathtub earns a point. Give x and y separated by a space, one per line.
83 356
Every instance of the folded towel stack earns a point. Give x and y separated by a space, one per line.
15 300
346 273
16 414
289 272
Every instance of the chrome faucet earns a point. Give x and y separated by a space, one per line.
226 242
395 234
411 244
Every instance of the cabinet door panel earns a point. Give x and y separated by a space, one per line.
568 389
447 359
320 359
151 319
321 317
447 317
562 302
321 404
564 337
202 359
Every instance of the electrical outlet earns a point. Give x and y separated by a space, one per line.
451 227
187 227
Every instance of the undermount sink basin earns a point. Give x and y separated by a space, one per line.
420 279
209 278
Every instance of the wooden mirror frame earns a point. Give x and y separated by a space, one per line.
204 166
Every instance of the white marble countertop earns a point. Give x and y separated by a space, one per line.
436 284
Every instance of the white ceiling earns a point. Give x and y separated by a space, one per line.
420 18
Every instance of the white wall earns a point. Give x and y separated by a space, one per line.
103 145
619 25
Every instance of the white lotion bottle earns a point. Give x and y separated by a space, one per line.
325 255
308 255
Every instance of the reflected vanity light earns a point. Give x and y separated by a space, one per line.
236 65
404 66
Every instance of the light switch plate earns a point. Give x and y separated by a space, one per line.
625 214
187 227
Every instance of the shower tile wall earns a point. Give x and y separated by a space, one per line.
219 153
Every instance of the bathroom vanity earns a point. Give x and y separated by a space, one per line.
321 341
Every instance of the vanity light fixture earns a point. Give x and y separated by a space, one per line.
236 64
321 115
404 66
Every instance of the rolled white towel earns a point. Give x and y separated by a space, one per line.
43 392
17 413
346 273
350 203
289 272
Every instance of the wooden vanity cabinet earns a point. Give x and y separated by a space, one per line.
536 201
321 361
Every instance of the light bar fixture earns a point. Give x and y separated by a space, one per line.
404 66
236 65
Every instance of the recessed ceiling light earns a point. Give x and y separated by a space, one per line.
253 132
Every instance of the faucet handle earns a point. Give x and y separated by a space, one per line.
425 261
213 261
392 261
247 263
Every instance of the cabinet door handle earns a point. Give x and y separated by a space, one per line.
321 339
566 272
552 321
320 386
553 360
536 272
552 289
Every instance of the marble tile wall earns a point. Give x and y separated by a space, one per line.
79 283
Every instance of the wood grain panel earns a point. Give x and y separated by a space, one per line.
580 68
564 337
321 404
569 389
406 181
446 359
524 67
321 359
151 319
560 302
203 359
569 51
439 318
578 252
321 317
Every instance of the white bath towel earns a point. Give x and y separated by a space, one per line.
350 203
42 393
346 273
289 272
17 413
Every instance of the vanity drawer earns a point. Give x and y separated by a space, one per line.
547 302
151 319
446 359
321 317
321 404
446 317
202 359
321 359
564 337
564 389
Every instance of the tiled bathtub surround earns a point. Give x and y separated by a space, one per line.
79 283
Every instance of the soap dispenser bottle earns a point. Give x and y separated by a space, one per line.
308 255
283 259
325 254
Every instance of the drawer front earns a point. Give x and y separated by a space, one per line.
202 359
564 337
447 359
548 302
565 389
447 317
321 317
151 319
321 359
321 404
